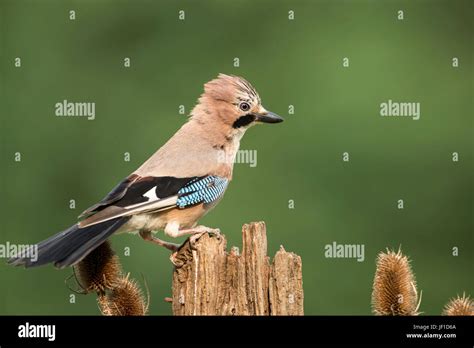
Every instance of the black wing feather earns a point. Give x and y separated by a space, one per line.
117 193
130 191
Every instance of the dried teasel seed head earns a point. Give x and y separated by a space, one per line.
100 270
394 290
459 306
126 299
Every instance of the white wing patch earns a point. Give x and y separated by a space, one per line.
151 194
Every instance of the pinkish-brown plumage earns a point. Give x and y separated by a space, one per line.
198 159
199 143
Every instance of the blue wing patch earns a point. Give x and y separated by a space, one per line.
205 190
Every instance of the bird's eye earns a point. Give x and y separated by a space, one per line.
244 106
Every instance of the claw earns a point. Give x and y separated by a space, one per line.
194 238
215 231
173 258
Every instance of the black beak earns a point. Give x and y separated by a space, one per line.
269 117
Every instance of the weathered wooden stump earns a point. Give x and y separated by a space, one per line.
208 280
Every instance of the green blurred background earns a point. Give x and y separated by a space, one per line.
296 63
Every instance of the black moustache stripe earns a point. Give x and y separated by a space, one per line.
243 121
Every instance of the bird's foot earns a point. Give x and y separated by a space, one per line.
203 230
196 233
148 236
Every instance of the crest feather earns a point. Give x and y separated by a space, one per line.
230 88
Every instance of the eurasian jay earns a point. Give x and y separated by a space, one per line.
176 186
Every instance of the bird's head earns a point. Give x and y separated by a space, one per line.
232 102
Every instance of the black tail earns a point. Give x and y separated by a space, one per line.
70 246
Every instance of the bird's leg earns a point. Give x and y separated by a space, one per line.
147 235
197 230
173 230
